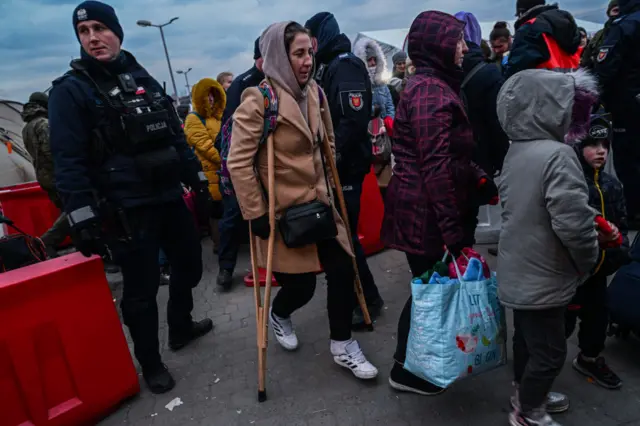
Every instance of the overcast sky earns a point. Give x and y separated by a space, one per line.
37 40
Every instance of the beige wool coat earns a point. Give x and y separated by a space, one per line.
299 175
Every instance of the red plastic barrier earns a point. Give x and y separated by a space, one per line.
64 359
29 207
371 214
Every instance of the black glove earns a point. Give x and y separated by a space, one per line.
87 237
456 249
261 227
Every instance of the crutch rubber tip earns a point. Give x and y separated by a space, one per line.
262 396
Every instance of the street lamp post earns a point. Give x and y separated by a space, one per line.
144 23
186 79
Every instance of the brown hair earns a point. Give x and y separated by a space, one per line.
500 30
221 77
486 49
290 33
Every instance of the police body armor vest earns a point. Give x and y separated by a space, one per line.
559 60
134 125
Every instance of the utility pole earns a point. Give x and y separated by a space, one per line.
144 23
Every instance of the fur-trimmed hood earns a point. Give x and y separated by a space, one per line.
547 105
360 50
200 98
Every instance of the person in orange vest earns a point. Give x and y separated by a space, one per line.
546 37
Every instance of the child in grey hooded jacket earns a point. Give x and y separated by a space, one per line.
548 242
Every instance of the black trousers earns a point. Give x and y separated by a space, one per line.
418 265
352 193
298 289
539 353
590 306
169 227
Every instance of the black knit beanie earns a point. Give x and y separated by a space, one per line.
524 5
256 50
92 10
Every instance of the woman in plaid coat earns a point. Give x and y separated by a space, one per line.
428 202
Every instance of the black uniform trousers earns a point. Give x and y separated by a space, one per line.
169 227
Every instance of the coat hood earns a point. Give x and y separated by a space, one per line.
628 6
33 110
200 98
559 24
276 64
362 49
432 42
472 29
547 105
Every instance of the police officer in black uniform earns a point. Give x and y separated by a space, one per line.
346 82
120 157
232 225
618 70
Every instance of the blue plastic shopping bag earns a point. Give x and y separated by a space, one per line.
458 327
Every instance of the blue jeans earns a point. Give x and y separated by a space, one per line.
231 227
352 194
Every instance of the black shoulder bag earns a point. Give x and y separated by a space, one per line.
311 222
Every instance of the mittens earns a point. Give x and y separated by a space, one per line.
487 192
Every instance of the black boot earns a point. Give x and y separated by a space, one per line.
403 381
225 279
158 379
181 339
375 309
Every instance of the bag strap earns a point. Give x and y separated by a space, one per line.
202 120
473 72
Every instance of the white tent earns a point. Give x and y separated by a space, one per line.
15 164
392 41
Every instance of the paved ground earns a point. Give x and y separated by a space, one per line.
217 375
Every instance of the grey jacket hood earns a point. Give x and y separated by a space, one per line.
546 105
361 48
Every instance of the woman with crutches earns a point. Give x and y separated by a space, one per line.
310 235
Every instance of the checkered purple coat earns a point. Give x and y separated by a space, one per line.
427 202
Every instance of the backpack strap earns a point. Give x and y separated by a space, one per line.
270 109
472 73
202 120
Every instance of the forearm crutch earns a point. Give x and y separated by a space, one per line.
262 306
328 154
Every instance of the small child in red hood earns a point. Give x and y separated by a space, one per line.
590 302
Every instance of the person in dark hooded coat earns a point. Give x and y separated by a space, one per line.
434 176
537 26
618 71
480 88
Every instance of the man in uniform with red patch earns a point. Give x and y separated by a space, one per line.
345 80
618 70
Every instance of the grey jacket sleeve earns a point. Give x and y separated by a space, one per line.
567 197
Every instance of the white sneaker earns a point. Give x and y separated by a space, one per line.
536 418
284 332
349 355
